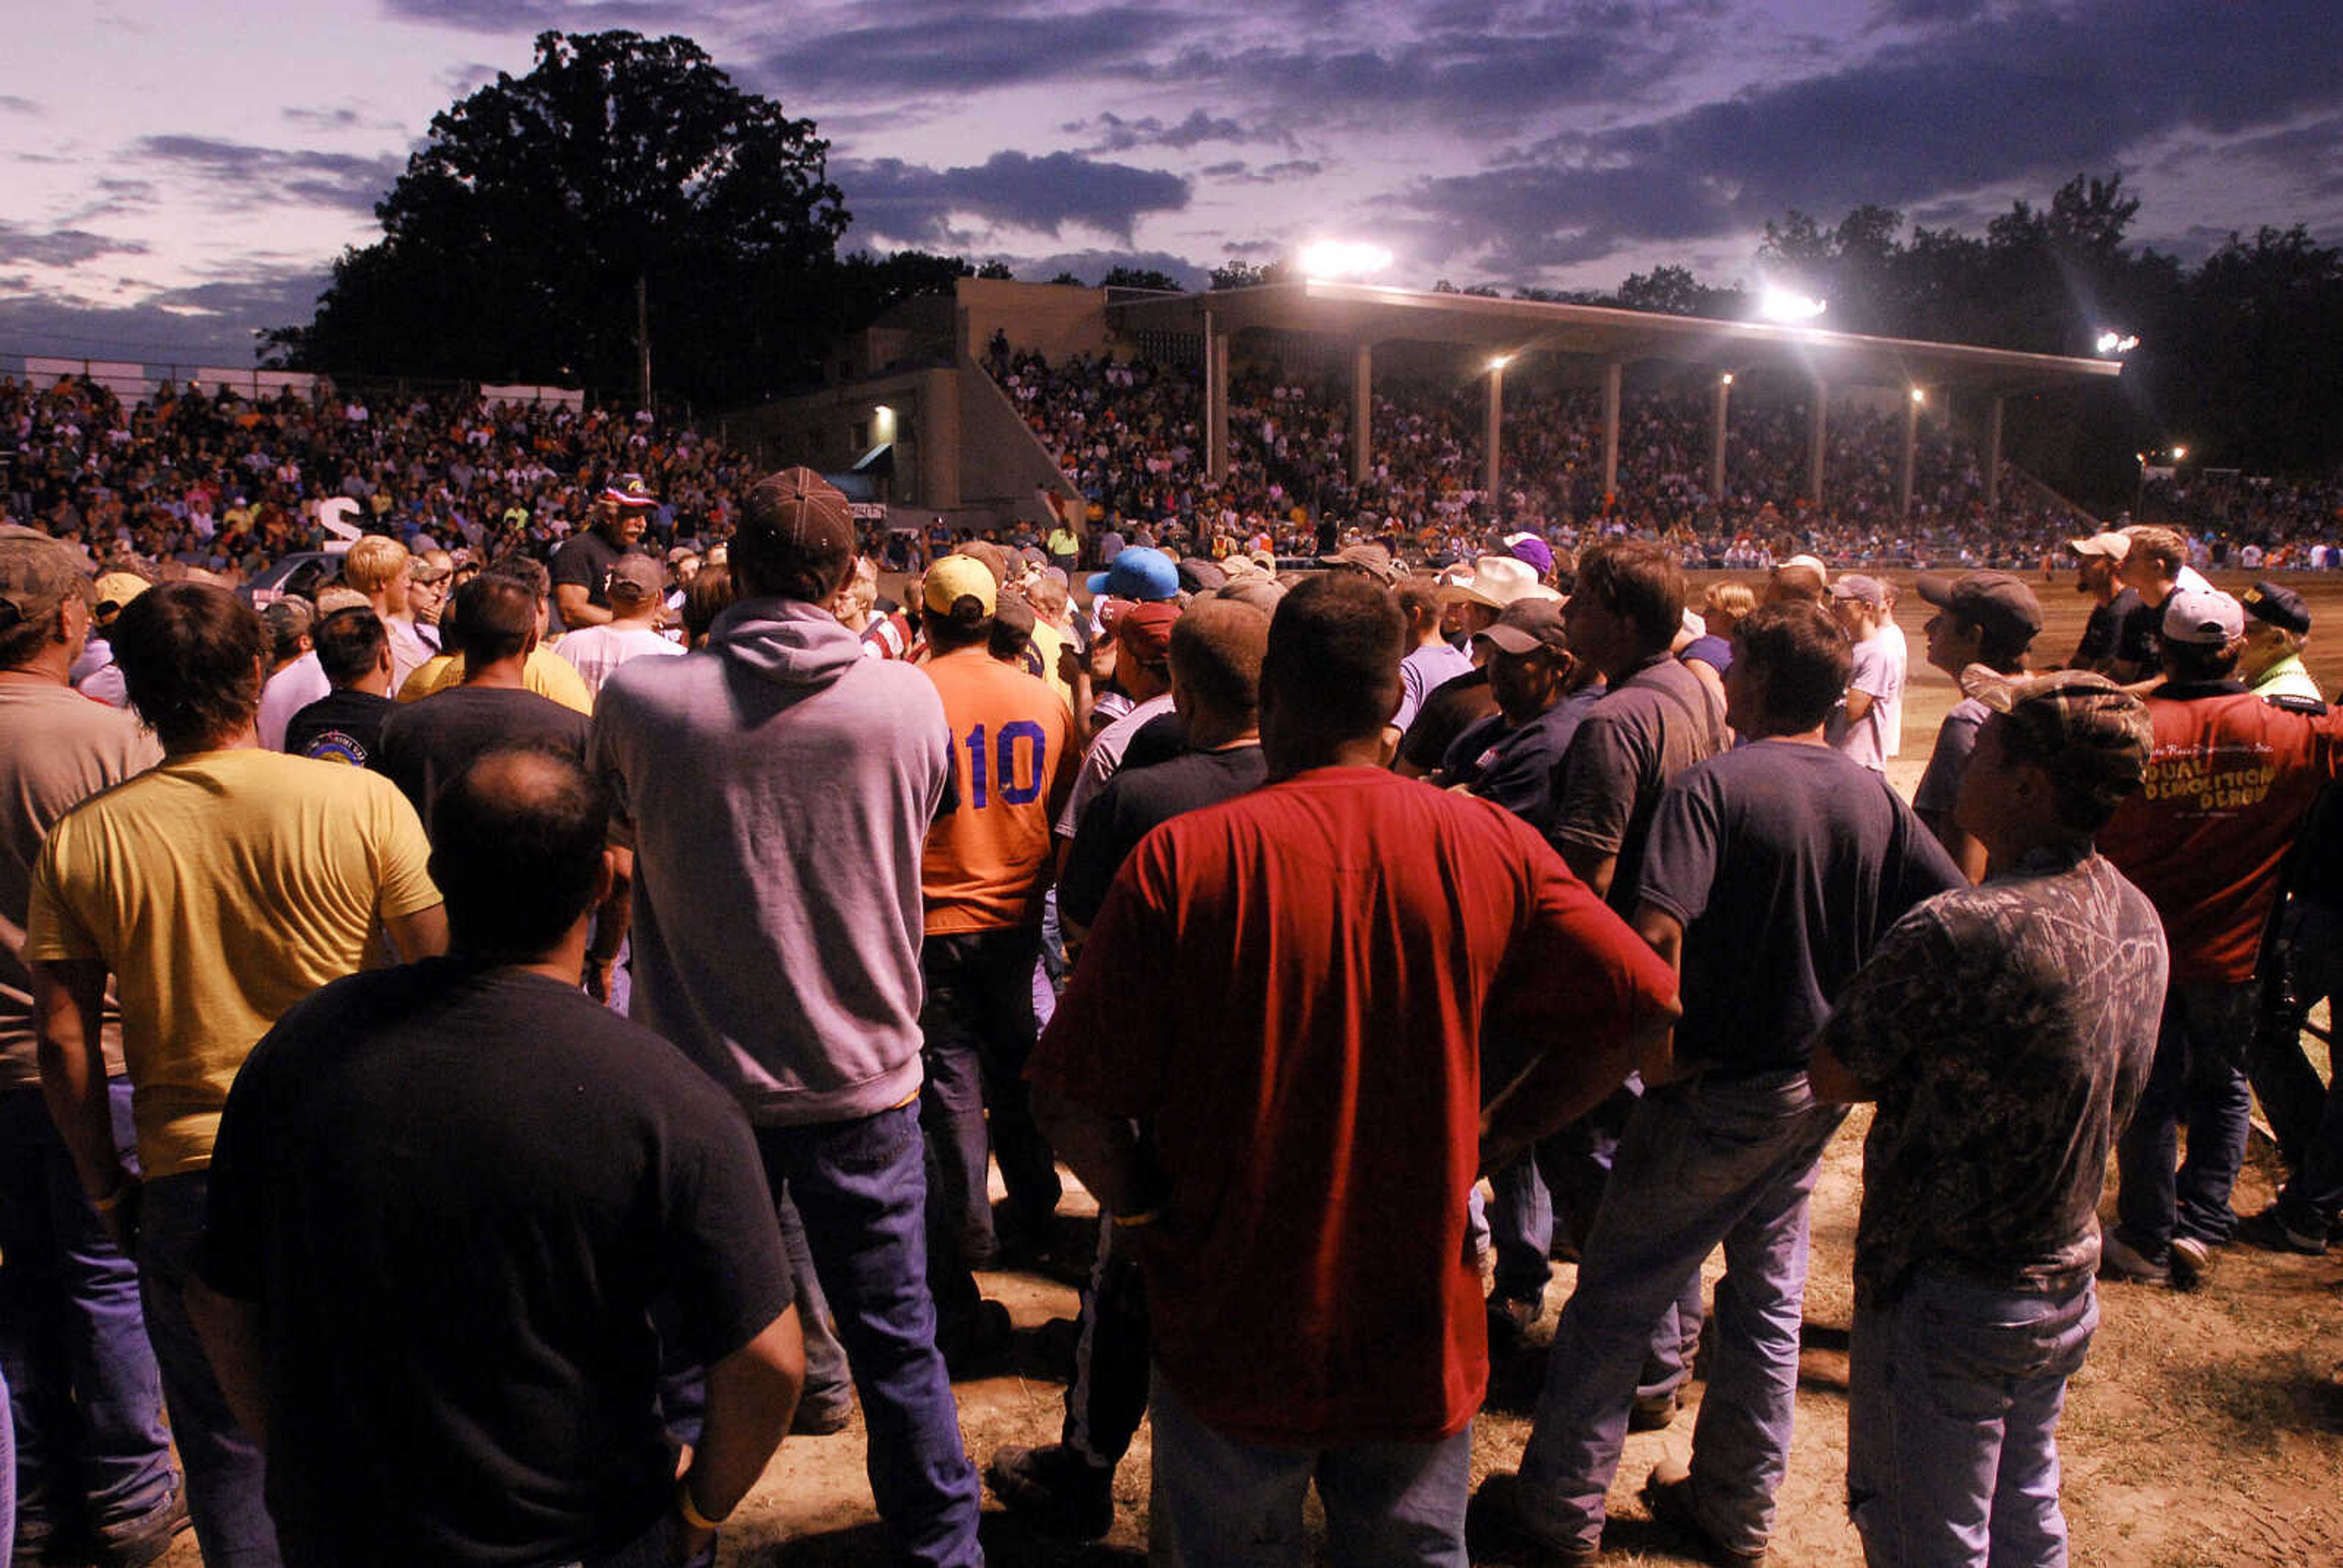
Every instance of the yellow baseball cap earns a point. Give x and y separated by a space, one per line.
956 577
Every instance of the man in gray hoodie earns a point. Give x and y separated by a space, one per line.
777 788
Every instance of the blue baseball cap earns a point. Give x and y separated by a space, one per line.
1139 574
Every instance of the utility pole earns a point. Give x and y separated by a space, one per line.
643 340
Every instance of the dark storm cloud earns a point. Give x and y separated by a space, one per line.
10 104
59 246
1238 172
157 330
2030 94
527 18
968 50
243 177
1114 133
912 204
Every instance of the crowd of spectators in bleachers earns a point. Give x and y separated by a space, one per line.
2255 523
215 481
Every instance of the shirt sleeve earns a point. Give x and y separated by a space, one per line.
1598 787
1575 972
53 931
572 565
1871 672
403 884
1411 695
721 1245
1681 856
1940 786
1107 1044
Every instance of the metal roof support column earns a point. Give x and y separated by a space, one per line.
1716 454
1216 400
1992 452
1817 432
1363 411
1611 372
1911 442
1491 468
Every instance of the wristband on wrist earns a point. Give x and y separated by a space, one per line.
1134 1222
691 1510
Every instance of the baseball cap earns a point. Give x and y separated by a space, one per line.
1863 590
2113 545
1530 548
1997 603
1198 574
956 577
636 577
37 573
1140 574
628 490
802 513
1371 559
2275 606
1811 563
2207 616
2095 735
115 589
1527 624
1144 632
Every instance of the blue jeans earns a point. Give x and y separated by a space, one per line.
978 1021
223 1466
91 1448
1237 1504
826 1379
2200 1046
2293 1097
860 1188
1954 1395
1701 1162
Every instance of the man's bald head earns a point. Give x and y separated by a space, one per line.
517 853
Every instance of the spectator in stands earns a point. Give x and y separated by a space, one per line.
1337 1232
725 767
502 1281
95 1461
345 726
218 890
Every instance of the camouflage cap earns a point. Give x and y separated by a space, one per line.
2092 734
36 574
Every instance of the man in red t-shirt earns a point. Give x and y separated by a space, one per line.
2227 787
1267 1066
987 863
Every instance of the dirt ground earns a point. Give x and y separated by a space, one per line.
2207 1429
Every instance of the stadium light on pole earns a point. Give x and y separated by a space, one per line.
2115 345
1332 260
1782 305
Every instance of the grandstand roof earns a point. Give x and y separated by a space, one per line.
1357 312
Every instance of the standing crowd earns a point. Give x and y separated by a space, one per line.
486 1088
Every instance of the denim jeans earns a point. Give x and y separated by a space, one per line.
2200 1045
1954 1394
826 1378
223 1466
2292 1096
1239 1505
91 1448
7 1475
1704 1162
978 1021
1106 1398
860 1188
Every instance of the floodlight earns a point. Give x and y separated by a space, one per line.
1918 395
2118 342
1499 361
2178 453
1781 305
1337 258
1726 379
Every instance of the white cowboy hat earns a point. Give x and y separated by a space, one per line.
1498 581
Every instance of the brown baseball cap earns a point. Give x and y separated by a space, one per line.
1525 626
798 515
636 577
36 574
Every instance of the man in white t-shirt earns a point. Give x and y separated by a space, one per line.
637 588
1899 655
1860 727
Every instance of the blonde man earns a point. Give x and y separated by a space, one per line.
376 567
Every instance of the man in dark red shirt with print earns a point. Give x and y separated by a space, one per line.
2227 787
1267 1066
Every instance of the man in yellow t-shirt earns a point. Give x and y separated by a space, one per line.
987 863
217 889
545 672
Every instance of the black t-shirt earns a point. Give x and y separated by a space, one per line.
2102 633
1785 863
1449 709
1134 802
2139 629
585 560
453 1194
1160 739
425 745
343 726
1520 770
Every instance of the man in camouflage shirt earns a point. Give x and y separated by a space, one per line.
2005 1031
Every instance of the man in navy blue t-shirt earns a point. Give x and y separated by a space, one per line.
1770 873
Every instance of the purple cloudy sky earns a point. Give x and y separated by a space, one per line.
173 174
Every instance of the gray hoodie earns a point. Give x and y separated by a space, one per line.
779 788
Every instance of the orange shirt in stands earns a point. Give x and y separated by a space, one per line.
988 859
